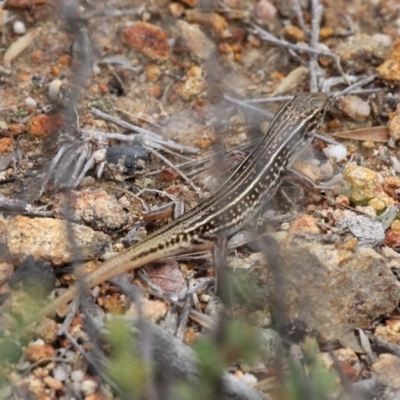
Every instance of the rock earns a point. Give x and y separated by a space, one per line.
394 124
47 239
391 185
354 107
304 224
195 40
153 310
148 39
307 168
264 12
363 182
392 238
369 232
355 50
36 351
390 68
42 126
381 202
93 207
194 85
387 369
334 288
209 19
390 332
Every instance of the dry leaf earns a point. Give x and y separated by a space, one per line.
373 134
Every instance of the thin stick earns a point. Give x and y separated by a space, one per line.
316 11
147 135
300 19
355 85
249 106
178 171
267 37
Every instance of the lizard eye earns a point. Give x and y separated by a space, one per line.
318 100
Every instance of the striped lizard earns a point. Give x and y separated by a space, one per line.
253 183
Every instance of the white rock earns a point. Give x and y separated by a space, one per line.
339 152
19 28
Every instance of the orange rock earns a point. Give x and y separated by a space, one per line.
35 352
392 238
64 60
390 69
148 39
391 185
41 126
16 129
190 336
6 145
294 33
303 224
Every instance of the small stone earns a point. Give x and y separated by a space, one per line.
153 72
148 39
35 352
194 85
354 107
304 224
337 152
195 40
295 34
61 372
94 207
387 369
343 200
30 104
19 28
394 125
392 238
77 375
190 336
363 182
213 20
88 387
153 310
346 355
54 89
190 3
390 332
334 289
381 202
369 232
307 168
42 126
47 330
360 47
16 129
176 9
47 238
53 383
390 69
6 145
391 185
264 12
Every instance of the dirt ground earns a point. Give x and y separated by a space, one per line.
110 109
